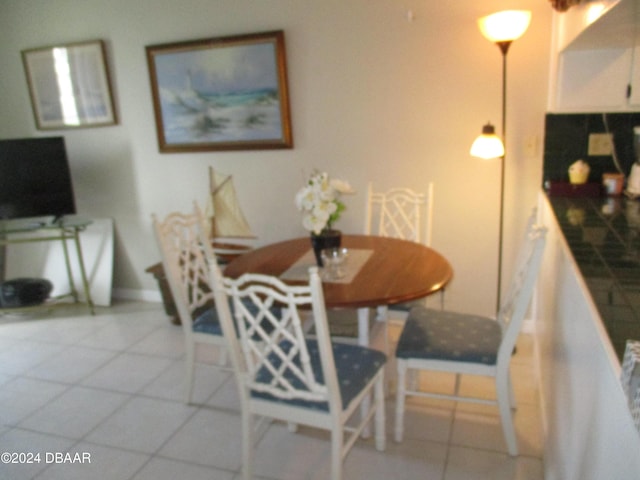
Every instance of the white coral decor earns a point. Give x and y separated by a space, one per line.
320 203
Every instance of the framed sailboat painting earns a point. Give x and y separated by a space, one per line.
227 93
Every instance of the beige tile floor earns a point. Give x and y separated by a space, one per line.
109 387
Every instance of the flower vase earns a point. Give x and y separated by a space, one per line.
326 239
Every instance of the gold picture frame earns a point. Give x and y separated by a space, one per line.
227 93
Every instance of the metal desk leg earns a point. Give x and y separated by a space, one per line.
83 273
67 263
3 259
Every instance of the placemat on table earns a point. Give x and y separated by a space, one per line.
355 260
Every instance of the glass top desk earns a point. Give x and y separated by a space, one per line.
48 229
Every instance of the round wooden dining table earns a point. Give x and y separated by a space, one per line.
395 271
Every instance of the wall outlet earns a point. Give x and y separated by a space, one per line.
600 144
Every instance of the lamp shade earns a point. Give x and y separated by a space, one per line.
488 145
505 26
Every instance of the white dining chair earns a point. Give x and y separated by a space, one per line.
436 340
285 376
403 213
400 213
184 259
397 213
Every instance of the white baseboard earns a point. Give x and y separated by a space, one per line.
140 295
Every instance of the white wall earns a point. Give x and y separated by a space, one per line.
374 97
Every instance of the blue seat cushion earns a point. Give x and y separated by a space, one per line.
355 366
439 335
207 321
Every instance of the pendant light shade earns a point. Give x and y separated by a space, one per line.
505 26
488 145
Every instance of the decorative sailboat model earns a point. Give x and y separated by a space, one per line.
226 218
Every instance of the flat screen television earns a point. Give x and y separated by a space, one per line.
35 179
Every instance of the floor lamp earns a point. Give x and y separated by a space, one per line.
501 28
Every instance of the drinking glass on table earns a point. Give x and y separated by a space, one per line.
333 260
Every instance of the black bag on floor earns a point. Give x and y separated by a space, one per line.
24 292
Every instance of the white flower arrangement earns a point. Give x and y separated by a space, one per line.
319 201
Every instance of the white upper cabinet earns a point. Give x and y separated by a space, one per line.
596 58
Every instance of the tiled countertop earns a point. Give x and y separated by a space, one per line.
604 237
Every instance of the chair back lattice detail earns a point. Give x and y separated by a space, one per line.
400 213
516 302
271 343
267 315
184 261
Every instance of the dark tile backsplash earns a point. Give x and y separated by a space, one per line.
567 138
603 235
